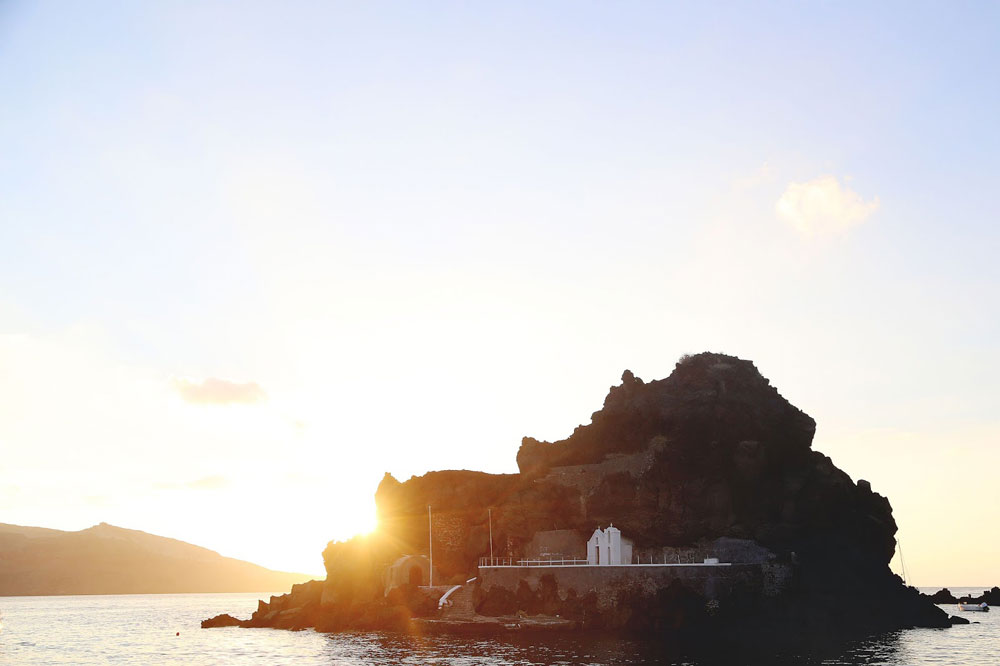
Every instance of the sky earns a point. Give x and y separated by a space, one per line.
255 255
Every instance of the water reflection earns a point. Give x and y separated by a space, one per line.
552 650
973 644
163 629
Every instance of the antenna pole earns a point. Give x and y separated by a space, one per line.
430 544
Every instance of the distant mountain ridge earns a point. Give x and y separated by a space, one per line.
105 559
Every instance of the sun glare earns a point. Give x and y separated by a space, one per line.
353 523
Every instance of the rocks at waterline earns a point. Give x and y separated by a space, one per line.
713 451
299 609
943 596
224 620
990 597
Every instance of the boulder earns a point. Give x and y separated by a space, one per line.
224 620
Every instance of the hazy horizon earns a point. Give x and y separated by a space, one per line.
253 257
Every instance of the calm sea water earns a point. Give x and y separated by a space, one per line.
142 629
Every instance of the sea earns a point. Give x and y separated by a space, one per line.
157 629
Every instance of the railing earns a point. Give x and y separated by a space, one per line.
636 562
510 562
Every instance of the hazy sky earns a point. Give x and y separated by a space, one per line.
253 256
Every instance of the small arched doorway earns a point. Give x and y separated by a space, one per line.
416 576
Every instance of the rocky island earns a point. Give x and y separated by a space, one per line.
727 523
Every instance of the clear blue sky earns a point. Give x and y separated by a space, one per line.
424 230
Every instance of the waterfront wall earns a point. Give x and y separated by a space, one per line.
614 585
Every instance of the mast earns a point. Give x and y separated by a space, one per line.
902 563
430 545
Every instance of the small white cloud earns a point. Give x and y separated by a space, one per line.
823 206
214 391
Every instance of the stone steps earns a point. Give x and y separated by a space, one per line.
461 607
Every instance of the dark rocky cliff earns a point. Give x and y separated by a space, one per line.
712 452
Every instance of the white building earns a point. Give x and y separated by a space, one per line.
607 547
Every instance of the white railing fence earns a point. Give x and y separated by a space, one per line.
511 562
646 561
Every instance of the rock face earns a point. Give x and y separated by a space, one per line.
711 455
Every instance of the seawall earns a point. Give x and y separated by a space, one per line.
615 585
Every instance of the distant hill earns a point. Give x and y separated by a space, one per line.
105 559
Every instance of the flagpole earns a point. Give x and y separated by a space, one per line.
491 535
430 544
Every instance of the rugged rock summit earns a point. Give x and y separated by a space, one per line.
727 456
711 455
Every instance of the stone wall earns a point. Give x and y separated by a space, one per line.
587 478
556 544
742 551
615 585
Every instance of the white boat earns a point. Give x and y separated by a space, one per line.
979 608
